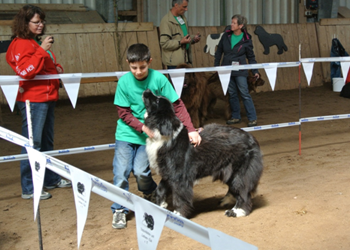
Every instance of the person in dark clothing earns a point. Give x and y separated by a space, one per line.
236 46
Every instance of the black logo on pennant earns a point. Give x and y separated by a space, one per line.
149 221
37 166
81 187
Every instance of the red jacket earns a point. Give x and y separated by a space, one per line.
28 59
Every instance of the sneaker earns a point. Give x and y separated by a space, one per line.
119 219
61 184
233 121
44 196
252 123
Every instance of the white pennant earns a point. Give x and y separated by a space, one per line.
271 73
178 81
224 79
38 165
308 69
10 92
150 221
72 84
345 69
221 241
81 183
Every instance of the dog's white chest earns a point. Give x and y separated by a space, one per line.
152 147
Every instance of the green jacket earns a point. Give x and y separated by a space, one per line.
170 36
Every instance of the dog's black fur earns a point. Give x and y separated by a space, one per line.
226 153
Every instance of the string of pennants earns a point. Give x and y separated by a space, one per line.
150 218
9 84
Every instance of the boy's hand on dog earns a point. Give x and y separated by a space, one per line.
195 138
148 132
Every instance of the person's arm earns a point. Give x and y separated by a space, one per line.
166 41
28 62
58 66
126 115
182 114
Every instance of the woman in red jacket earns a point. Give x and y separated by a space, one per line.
29 56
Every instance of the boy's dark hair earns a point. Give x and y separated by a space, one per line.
21 20
138 53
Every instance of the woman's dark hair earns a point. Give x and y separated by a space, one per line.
20 24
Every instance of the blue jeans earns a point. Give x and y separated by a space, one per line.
129 157
42 114
240 84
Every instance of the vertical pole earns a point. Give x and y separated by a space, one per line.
299 111
31 143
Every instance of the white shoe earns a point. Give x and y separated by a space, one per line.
61 184
119 219
44 196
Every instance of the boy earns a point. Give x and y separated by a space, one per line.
130 150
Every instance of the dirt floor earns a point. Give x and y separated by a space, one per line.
302 201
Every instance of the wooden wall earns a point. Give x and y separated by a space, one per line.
89 48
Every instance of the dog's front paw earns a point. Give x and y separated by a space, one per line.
234 212
230 213
163 204
177 213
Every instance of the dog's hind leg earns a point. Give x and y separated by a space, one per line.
242 208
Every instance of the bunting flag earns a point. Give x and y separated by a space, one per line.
224 79
345 69
308 69
37 162
178 81
221 241
271 72
71 84
82 185
10 92
150 220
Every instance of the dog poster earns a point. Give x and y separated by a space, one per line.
150 221
82 184
37 162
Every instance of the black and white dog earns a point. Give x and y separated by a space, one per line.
226 153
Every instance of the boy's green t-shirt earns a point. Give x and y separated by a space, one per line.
129 95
